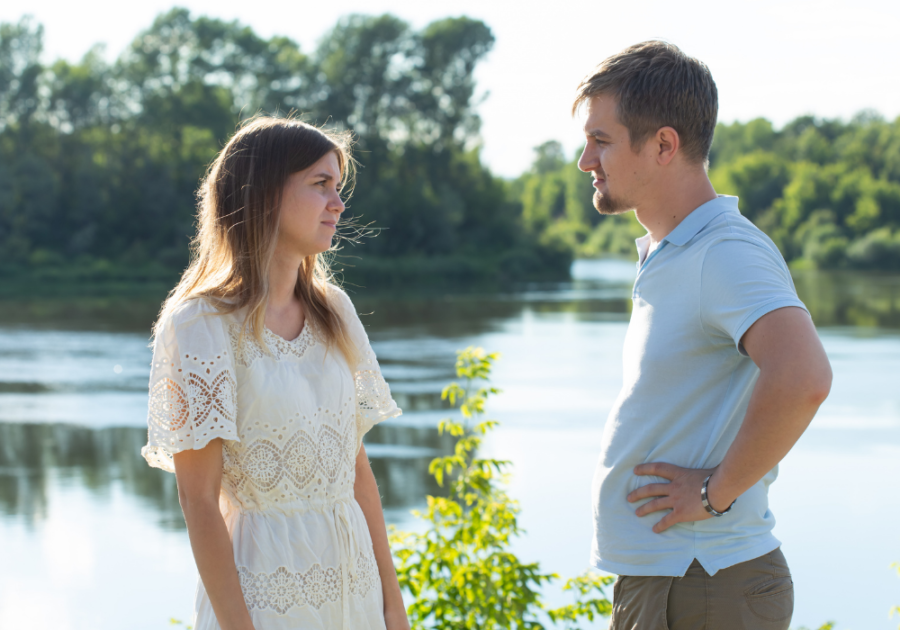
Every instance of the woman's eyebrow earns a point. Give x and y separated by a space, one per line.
326 176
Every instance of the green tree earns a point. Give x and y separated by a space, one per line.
99 162
826 191
460 571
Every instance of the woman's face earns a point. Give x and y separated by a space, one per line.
311 205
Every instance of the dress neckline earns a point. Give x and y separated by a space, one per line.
281 339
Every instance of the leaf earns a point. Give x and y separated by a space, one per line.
460 571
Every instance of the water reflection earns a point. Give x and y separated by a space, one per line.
836 298
35 456
859 299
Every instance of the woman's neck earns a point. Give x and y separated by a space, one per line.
284 311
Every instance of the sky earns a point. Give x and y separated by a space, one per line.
776 59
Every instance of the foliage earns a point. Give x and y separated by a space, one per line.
99 161
827 192
460 571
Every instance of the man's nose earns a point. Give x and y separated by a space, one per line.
587 162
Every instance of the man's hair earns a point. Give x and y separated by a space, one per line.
657 85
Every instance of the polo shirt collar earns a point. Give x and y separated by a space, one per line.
691 225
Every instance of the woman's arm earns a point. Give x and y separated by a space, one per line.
199 474
366 490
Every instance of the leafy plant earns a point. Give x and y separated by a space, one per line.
460 571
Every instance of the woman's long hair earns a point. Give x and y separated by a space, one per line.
237 227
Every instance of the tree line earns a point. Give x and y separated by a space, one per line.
826 191
99 162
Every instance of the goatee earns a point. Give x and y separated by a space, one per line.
606 204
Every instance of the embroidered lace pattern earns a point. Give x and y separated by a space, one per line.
192 401
372 392
281 590
373 396
247 349
291 463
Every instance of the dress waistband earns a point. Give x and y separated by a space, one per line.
288 508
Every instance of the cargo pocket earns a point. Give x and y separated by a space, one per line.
772 600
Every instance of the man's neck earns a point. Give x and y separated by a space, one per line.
666 209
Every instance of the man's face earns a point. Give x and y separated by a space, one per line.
619 173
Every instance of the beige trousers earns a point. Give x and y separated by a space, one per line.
753 595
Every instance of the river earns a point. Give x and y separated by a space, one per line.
91 538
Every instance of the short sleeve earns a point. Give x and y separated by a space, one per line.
192 385
742 280
374 403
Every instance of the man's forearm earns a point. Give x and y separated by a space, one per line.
781 407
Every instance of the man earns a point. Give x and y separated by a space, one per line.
723 369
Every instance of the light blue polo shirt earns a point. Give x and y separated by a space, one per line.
687 383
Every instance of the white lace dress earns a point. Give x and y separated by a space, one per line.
292 420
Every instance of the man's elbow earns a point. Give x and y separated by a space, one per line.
820 385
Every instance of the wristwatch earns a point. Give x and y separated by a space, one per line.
704 499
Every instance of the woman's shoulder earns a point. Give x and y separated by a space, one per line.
194 314
339 298
189 310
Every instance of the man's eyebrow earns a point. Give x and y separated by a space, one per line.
596 133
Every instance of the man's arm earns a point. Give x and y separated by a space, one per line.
794 379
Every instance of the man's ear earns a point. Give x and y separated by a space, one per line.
667 144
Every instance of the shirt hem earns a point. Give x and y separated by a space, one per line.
745 555
765 309
673 569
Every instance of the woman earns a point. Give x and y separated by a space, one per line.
262 386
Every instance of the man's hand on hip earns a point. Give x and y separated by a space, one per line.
681 494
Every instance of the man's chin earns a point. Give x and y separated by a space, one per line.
606 205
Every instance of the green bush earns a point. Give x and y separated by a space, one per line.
459 570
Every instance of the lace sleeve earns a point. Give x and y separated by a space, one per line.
192 386
374 403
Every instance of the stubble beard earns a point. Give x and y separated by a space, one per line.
607 204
